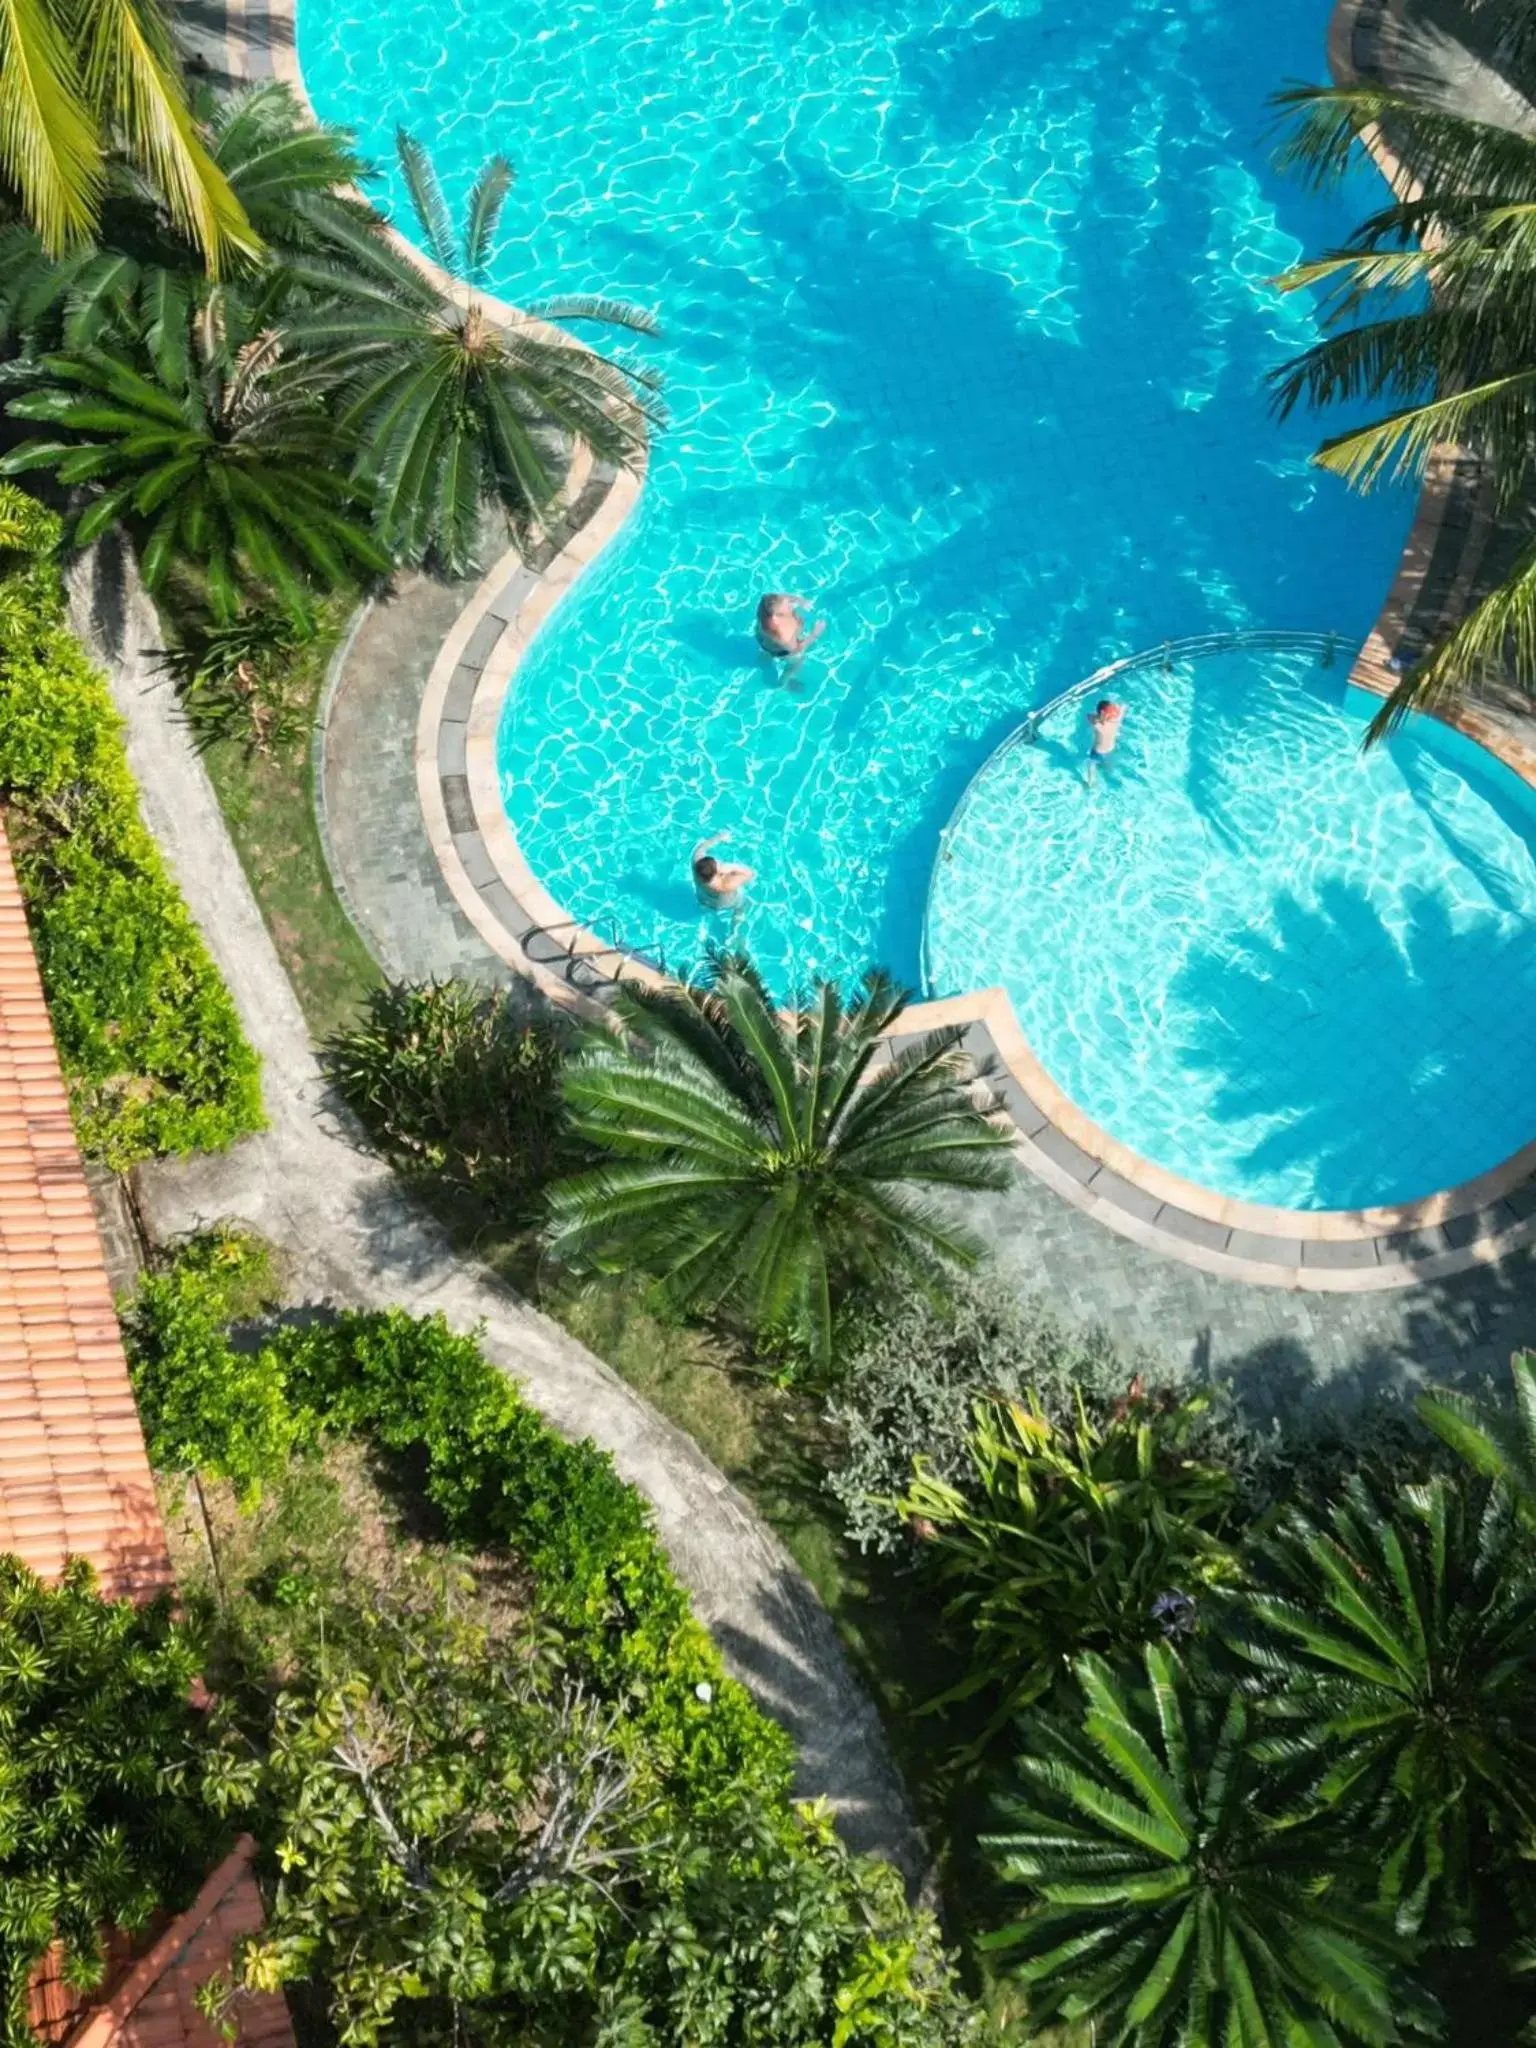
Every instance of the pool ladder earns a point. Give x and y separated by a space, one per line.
591 970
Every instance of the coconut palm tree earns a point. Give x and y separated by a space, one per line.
1397 1649
290 176
1500 1443
760 1165
232 473
451 402
1446 277
1170 1899
81 79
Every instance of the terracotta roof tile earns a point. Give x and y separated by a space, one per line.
74 1479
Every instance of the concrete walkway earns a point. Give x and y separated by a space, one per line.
352 1237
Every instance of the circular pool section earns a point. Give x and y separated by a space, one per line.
1287 970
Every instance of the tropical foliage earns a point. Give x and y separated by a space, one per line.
96 1831
80 85
150 1044
1499 1443
1430 304
455 401
569 1826
460 1092
469 1843
1060 1539
1398 1649
765 1167
1175 1900
223 463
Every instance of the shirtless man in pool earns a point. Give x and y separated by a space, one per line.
1104 724
781 625
719 882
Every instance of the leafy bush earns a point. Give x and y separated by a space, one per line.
102 1818
206 1407
749 1886
235 681
471 1848
915 1371
1066 1540
148 1038
459 1093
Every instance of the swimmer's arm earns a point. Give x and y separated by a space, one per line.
704 845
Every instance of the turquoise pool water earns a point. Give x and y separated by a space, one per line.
1271 964
967 319
966 325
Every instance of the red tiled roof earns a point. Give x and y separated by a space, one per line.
74 1479
75 1482
155 2004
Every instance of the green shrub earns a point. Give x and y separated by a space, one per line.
915 1372
1093 1537
516 1863
460 1093
205 1406
102 1818
758 1925
148 1038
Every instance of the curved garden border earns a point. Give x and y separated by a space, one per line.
472 837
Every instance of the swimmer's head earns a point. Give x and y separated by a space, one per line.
1107 708
770 606
706 867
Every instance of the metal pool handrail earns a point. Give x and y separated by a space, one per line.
1326 646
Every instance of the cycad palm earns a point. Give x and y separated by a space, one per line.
78 81
1500 1443
1398 1649
453 405
1450 277
1170 1903
230 474
761 1166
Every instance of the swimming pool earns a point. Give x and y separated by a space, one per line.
966 323
1272 965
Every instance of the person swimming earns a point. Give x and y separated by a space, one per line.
1104 723
719 883
781 628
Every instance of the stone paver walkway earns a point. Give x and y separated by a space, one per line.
376 841
351 1236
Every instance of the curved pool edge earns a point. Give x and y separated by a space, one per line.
476 846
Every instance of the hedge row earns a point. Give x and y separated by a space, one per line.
148 1037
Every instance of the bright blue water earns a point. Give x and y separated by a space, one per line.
1272 964
967 322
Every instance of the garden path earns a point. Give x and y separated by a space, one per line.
351 1236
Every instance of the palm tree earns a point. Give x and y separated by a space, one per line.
234 477
1448 275
1500 1443
290 176
761 1166
451 404
1397 1648
79 81
1170 1899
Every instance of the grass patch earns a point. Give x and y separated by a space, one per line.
268 805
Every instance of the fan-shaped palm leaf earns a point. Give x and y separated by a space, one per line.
757 1168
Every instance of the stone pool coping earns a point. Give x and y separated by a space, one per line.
473 840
